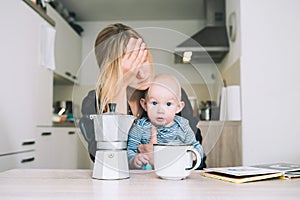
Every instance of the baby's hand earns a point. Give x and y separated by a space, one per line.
148 148
139 160
194 157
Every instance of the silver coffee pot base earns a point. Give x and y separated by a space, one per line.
110 165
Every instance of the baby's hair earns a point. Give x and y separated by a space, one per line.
169 82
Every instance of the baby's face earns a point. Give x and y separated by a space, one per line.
162 105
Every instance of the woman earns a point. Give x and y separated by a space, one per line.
126 71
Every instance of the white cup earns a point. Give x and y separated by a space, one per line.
175 161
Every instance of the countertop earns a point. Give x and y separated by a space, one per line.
77 184
218 123
63 124
60 125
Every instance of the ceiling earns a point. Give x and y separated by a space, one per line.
134 10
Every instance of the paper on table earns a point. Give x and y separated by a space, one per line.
241 170
47 47
241 174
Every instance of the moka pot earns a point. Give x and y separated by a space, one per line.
111 135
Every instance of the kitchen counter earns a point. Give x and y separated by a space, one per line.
218 123
60 125
63 124
78 184
222 142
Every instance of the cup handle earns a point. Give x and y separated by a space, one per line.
198 159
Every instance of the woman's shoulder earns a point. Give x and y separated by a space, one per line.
89 103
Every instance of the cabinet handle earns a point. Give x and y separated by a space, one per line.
74 77
71 132
26 160
68 73
46 133
28 143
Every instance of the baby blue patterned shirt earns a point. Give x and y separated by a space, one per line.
180 132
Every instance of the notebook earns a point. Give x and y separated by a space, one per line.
240 174
243 174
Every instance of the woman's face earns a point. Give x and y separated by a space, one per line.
137 65
144 76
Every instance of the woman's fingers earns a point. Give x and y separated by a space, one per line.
135 53
145 54
133 47
130 46
134 57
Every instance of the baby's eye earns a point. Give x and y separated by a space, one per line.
154 103
169 103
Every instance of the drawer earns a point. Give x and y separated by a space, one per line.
18 160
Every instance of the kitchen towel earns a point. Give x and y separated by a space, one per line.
233 108
47 47
223 106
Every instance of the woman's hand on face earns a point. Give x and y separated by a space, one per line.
135 55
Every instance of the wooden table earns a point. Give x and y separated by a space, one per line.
77 184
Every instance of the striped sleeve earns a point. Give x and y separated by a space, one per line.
134 139
189 136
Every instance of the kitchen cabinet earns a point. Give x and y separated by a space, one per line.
25 85
22 160
222 143
67 47
42 97
60 148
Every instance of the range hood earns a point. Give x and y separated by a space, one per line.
209 43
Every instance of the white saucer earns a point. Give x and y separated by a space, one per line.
172 178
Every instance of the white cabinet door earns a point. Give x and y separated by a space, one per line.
56 148
67 47
43 97
69 146
20 78
18 160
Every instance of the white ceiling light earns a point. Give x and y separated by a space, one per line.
187 56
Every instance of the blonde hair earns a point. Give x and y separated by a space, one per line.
109 47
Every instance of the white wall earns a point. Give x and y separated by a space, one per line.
270 47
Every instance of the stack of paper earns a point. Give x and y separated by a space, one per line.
243 174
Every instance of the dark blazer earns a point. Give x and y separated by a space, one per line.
87 127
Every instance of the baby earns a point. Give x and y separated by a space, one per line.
162 102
